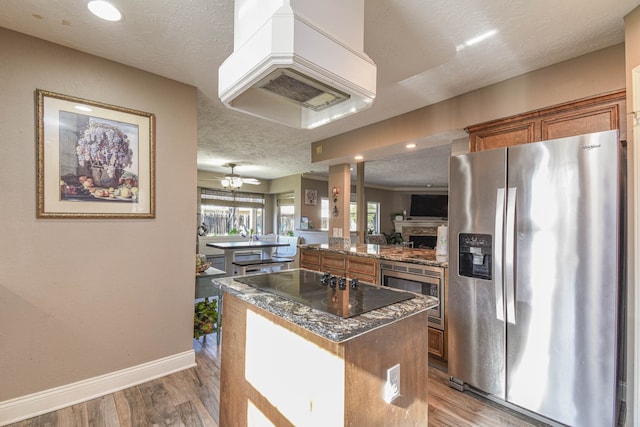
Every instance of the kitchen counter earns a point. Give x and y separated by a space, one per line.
387 252
286 364
326 325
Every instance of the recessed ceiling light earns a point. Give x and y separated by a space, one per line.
411 145
358 157
105 10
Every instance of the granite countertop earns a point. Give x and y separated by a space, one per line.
388 252
326 325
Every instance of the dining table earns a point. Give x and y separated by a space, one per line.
230 249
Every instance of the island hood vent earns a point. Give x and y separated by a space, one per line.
298 62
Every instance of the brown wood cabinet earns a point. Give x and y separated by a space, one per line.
310 259
334 263
436 343
364 268
595 114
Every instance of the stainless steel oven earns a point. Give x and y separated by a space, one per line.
421 279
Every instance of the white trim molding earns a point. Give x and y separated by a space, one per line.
35 404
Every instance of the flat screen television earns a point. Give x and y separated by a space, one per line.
433 205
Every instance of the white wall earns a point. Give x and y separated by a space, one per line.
82 298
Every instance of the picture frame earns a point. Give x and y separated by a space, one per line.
94 160
311 197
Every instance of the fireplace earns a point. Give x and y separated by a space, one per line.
423 233
424 242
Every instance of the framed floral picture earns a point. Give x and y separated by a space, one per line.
94 160
310 197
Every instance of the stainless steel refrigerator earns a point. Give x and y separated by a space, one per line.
534 236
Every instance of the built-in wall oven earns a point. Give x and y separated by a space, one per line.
421 279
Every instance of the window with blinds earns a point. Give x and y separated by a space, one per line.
230 213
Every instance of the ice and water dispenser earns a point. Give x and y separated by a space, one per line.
475 255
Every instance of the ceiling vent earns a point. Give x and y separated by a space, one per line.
298 62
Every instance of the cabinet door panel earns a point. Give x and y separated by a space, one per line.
363 268
436 342
582 122
502 137
310 259
336 264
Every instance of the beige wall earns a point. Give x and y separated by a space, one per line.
310 211
632 57
588 75
82 298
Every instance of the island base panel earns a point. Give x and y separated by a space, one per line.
307 379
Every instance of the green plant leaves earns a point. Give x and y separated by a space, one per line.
205 317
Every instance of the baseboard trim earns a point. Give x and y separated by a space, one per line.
35 404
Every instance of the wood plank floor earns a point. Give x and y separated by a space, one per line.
191 398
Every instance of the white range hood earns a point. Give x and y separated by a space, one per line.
298 62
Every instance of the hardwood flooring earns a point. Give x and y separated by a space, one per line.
191 398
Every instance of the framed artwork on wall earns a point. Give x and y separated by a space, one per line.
94 160
310 197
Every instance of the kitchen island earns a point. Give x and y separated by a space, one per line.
284 363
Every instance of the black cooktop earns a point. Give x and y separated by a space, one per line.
335 295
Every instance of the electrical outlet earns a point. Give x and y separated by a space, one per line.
392 386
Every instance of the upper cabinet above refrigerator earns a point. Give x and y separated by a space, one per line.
595 114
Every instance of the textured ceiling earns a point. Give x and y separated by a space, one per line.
412 42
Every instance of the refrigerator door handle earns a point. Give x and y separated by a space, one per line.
497 254
509 253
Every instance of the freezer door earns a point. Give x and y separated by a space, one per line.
562 308
476 329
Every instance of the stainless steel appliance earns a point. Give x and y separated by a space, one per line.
534 235
420 279
334 295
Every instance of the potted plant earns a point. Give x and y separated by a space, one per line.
394 238
205 317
